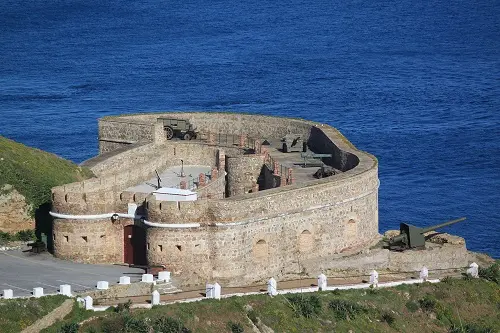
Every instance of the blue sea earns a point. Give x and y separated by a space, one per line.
416 83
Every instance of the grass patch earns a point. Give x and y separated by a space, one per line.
17 314
33 172
23 235
469 306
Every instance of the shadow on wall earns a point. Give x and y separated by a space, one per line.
267 179
320 143
43 225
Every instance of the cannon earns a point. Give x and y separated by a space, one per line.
412 237
178 128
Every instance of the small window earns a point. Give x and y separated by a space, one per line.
85 238
179 247
103 236
160 205
147 246
66 197
160 248
121 196
66 238
53 236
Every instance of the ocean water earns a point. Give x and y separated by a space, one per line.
415 83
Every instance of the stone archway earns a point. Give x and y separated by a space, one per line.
261 250
351 230
306 241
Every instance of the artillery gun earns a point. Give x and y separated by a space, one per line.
178 128
412 237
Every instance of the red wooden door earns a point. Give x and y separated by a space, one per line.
134 245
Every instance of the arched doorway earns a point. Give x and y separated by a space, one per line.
134 245
306 241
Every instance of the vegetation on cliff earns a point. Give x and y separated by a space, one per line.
454 305
33 172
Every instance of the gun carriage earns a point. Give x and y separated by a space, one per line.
179 128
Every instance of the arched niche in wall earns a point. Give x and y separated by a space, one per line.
351 229
260 250
306 241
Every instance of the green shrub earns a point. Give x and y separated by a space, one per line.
169 325
306 306
491 273
412 306
123 307
113 324
26 235
447 280
345 310
134 325
69 328
388 318
253 317
470 328
428 303
235 327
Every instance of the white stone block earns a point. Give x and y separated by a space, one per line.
155 298
322 282
147 278
102 285
473 270
89 305
131 209
374 278
209 290
217 291
65 289
272 287
8 294
38 292
124 280
424 274
80 301
164 276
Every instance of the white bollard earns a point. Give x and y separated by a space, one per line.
147 278
88 303
217 291
209 290
164 276
124 280
102 285
155 298
374 278
65 289
424 274
473 270
38 292
322 282
272 287
8 294
80 301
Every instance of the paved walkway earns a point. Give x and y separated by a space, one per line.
22 272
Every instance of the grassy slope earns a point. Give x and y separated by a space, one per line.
456 301
33 172
14 320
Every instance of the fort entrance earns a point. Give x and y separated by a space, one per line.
134 245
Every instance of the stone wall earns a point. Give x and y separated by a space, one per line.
243 173
89 241
116 133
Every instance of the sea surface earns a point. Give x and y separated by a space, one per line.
416 83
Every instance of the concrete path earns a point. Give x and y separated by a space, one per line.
22 272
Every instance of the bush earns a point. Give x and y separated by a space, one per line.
428 303
470 328
26 235
345 310
491 273
69 328
123 307
447 280
412 306
170 325
388 318
235 327
134 325
306 306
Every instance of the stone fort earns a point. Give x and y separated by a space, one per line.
259 211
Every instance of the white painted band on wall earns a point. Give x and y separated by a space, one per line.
89 217
171 225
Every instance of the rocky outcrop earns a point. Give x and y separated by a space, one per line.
14 211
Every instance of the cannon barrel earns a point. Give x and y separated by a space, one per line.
442 225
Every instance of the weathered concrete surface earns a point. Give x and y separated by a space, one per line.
14 215
17 273
57 314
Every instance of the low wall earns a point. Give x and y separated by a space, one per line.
57 314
